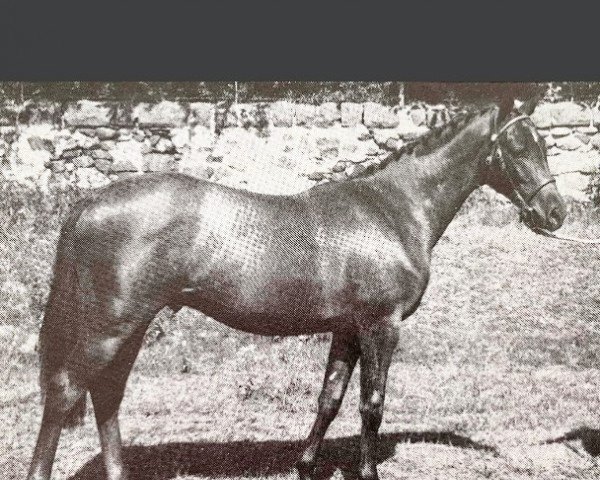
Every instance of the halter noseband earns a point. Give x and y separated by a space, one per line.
523 201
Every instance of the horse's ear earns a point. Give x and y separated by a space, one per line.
527 107
506 105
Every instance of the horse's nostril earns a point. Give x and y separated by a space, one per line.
556 217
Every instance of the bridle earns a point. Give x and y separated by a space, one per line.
523 200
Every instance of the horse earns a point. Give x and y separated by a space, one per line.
351 258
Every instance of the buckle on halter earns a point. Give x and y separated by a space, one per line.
526 214
494 137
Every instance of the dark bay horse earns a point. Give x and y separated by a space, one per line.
351 258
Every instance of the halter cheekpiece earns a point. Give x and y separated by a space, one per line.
522 200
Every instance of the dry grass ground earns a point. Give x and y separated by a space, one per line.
502 358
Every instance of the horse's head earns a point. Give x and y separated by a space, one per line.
518 167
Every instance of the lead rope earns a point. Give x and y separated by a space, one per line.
566 238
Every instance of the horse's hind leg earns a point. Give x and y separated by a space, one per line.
62 395
107 394
117 347
342 358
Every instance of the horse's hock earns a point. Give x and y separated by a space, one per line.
278 147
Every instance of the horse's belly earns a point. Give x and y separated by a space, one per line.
266 323
283 311
273 325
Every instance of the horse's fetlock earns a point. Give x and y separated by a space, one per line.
117 472
306 468
368 472
373 417
372 414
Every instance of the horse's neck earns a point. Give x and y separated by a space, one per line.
436 184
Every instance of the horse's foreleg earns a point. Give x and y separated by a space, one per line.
377 343
342 359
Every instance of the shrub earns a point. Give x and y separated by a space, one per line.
593 187
30 221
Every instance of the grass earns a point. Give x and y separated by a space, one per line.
501 359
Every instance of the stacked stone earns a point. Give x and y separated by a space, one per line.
568 127
100 142
278 147
240 144
358 134
571 134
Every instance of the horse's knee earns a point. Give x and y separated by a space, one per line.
371 410
330 404
100 353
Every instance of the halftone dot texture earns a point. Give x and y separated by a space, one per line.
501 356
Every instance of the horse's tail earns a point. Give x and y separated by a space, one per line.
59 331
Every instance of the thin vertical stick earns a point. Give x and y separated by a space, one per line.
20 108
401 98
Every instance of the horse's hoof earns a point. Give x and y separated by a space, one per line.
305 471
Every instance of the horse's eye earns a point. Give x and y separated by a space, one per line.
517 142
517 147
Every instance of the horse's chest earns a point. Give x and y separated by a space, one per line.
368 270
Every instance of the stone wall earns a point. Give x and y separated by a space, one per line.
280 147
573 139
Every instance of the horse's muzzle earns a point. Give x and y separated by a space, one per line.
547 209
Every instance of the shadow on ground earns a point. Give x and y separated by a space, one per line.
248 458
590 439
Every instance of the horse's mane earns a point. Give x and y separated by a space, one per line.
428 142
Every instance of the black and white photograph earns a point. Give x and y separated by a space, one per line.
299 280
